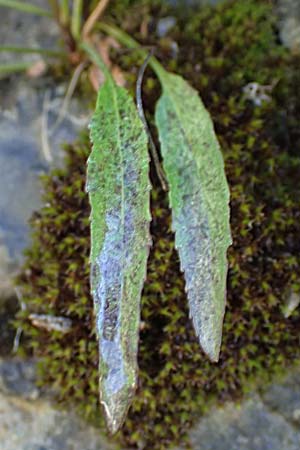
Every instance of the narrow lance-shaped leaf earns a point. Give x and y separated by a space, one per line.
199 198
118 186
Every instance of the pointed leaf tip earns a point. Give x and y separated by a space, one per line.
199 199
116 407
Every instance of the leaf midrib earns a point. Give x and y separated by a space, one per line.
115 97
189 145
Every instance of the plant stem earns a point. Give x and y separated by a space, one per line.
76 18
70 91
7 69
126 40
129 42
97 59
93 17
25 7
140 108
55 8
64 12
41 51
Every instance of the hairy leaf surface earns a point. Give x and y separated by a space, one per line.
118 186
199 198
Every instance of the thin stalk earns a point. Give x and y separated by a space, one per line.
97 59
140 108
94 17
7 69
129 42
76 18
61 13
25 7
70 91
55 8
64 12
126 40
40 51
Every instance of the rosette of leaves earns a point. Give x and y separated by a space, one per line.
118 185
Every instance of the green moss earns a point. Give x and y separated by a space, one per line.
221 50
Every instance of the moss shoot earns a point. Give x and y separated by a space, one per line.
219 51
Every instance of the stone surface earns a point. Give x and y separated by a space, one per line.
270 421
30 422
27 150
283 397
289 14
26 30
18 378
29 143
37 425
248 427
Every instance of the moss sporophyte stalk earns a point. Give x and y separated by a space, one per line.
219 55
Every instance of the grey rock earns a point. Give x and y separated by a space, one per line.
26 30
250 426
18 378
270 421
30 143
19 196
37 425
283 397
289 15
28 419
30 422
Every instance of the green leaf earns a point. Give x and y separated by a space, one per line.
26 7
118 186
199 197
